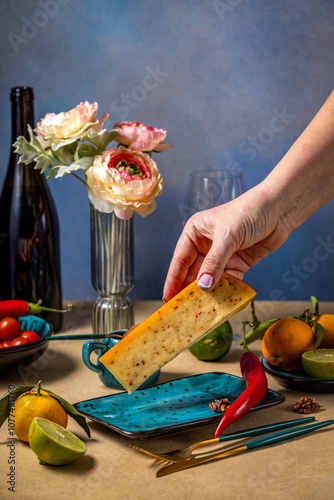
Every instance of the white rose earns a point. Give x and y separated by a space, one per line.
67 127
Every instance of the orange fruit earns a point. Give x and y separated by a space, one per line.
31 405
285 341
327 323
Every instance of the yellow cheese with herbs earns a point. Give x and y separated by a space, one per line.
179 323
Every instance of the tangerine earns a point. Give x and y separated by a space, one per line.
327 323
285 341
36 404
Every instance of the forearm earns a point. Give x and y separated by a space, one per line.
303 181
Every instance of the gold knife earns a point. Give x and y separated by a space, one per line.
256 443
185 464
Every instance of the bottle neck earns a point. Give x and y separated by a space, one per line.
22 99
22 111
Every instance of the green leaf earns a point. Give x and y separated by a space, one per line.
65 154
52 172
43 162
81 164
84 163
27 151
9 398
108 137
100 139
34 140
85 149
319 333
80 419
315 305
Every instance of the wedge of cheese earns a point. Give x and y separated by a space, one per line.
179 323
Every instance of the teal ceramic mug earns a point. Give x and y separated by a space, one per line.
104 374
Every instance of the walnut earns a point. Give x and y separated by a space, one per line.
220 404
306 405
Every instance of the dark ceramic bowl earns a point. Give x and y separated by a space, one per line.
12 358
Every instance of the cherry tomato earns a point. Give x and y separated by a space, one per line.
18 341
6 343
30 335
9 328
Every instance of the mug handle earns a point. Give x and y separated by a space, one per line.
87 350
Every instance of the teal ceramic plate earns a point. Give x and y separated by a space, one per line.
169 407
299 381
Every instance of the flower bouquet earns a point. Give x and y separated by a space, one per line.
124 179
120 181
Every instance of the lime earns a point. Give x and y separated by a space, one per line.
53 444
319 364
215 344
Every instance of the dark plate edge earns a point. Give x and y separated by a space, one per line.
286 376
304 384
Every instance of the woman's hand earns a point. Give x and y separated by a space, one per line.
231 238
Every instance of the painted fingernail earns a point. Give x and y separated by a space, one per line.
205 281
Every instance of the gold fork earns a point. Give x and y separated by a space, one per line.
186 453
274 438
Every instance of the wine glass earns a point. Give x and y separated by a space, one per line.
210 188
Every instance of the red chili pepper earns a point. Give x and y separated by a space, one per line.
256 389
14 308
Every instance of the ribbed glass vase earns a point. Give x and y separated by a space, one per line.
112 271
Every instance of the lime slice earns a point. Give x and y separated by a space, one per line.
215 344
53 444
319 364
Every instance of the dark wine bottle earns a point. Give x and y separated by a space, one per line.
29 227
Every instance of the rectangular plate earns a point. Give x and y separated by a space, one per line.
169 407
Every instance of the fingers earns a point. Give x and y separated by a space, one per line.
205 248
218 260
183 268
213 266
201 250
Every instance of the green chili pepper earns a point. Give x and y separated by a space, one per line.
258 331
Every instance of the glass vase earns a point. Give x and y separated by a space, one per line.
112 271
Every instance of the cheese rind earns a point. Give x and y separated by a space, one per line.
179 323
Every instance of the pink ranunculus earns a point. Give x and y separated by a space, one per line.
125 181
139 137
67 127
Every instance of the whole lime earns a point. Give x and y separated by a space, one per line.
319 364
215 344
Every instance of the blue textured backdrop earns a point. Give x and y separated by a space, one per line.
213 74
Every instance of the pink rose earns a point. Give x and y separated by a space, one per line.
67 127
138 136
125 181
